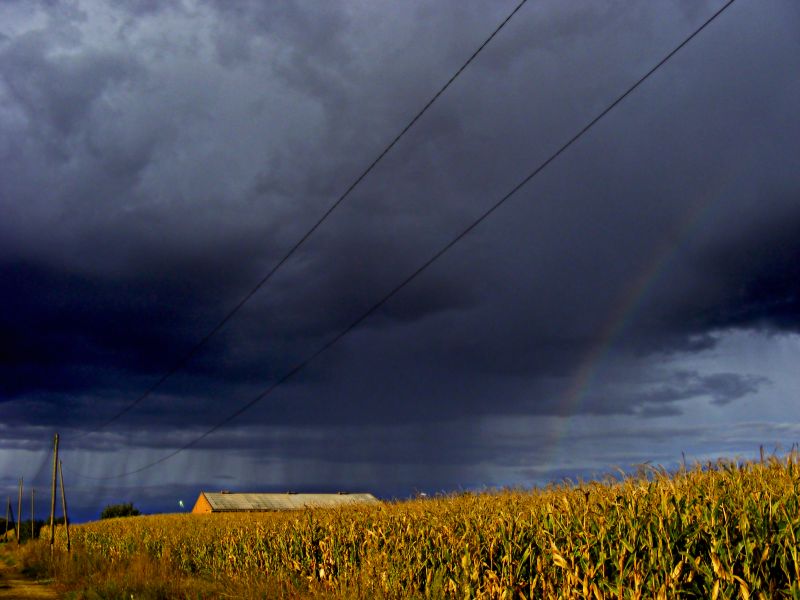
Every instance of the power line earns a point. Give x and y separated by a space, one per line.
300 366
202 342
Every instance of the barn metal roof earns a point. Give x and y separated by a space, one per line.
224 501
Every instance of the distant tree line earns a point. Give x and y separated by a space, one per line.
25 530
119 510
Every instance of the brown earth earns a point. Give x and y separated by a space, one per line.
14 584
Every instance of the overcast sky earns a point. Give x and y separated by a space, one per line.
637 300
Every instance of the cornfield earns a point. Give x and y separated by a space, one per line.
720 530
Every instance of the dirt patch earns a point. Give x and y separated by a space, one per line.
13 584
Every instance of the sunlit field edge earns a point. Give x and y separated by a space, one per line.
724 529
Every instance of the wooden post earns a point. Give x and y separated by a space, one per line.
64 500
8 513
19 512
33 527
53 496
11 517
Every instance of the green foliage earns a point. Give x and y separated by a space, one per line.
119 510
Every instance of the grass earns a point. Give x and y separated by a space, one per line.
720 530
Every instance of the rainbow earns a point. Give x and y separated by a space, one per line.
624 311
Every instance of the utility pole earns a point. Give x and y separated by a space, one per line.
53 496
11 519
64 501
19 512
33 530
8 513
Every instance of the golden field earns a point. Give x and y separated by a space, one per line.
724 530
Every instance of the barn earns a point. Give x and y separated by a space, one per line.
224 502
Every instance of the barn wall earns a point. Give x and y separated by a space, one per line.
201 506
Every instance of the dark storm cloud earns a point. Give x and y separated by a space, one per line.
57 94
758 276
722 388
157 161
